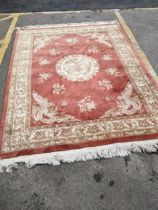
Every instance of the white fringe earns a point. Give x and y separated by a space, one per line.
90 153
67 24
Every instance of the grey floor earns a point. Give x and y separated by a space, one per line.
129 183
56 5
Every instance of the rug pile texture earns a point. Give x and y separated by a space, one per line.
76 92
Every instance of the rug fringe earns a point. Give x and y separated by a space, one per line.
91 153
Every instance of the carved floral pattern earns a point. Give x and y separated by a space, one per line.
77 67
43 62
112 71
107 57
93 49
72 41
106 84
86 104
54 51
44 77
57 88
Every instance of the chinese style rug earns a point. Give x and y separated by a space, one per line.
77 92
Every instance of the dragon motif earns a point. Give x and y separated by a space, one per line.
127 105
47 112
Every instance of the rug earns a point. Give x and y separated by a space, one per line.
77 92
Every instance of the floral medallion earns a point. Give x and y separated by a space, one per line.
77 67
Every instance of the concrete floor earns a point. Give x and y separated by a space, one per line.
129 183
64 5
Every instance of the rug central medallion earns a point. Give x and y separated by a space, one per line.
77 67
